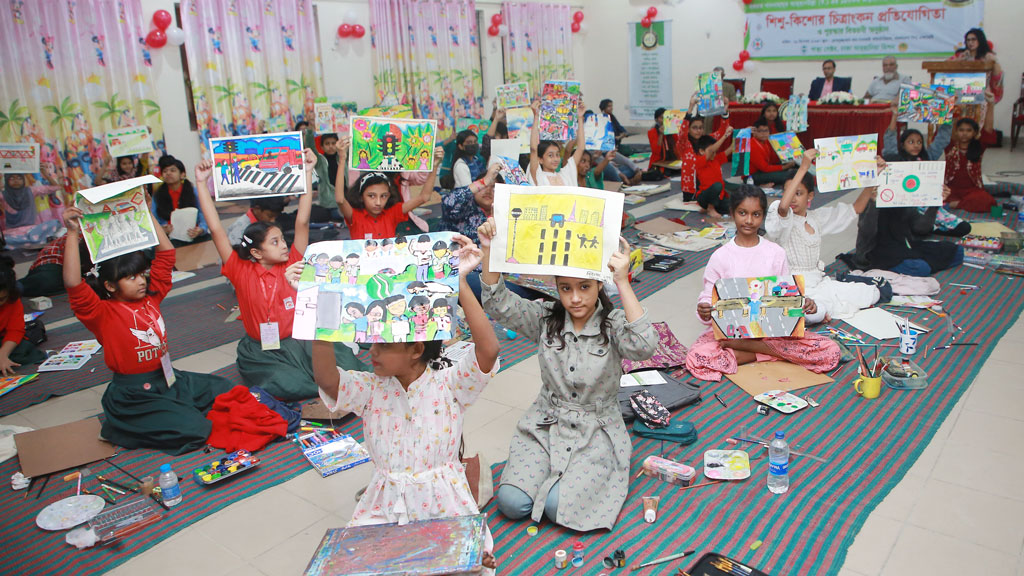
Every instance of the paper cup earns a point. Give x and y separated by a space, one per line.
908 343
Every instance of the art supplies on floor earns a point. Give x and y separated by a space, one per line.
69 512
679 204
82 347
425 548
712 564
61 362
9 383
760 377
223 468
329 451
646 189
56 448
664 263
128 515
782 401
642 378
879 324
726 465
668 471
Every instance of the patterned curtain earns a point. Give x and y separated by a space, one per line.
73 70
255 65
426 54
539 43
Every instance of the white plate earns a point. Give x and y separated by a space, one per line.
69 512
726 464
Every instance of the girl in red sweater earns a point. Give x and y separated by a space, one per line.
147 403
963 164
14 349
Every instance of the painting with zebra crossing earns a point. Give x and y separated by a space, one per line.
258 166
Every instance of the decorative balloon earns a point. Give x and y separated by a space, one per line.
737 65
991 45
162 19
345 30
577 16
351 16
358 31
645 22
156 38
496 19
748 1
749 66
503 30
492 30
744 55
175 36
575 27
652 12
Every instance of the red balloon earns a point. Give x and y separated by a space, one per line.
358 31
645 22
493 30
737 65
345 30
496 19
162 19
156 39
575 27
991 46
744 56
577 16
748 1
652 12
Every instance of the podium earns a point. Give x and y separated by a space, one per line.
973 111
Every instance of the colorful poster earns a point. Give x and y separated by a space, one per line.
520 122
766 307
819 29
565 231
741 152
474 125
969 87
650 68
846 162
709 89
787 146
506 154
672 121
323 117
598 131
794 113
258 166
401 289
396 111
9 383
513 95
19 158
392 144
343 113
115 218
559 110
919 103
130 141
910 184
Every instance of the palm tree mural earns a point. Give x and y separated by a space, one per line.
63 115
14 117
111 108
151 108
228 91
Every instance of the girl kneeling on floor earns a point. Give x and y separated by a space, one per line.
746 256
268 356
147 404
569 459
412 406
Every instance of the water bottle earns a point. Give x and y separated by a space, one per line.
169 489
778 464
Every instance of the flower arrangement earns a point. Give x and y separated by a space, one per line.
761 98
840 98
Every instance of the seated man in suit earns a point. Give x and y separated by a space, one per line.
822 87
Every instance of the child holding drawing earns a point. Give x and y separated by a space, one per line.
690 131
147 404
746 256
963 164
546 167
268 356
176 192
412 405
713 197
569 460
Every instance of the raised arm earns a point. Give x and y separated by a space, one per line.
427 189
484 338
790 191
619 265
581 137
325 368
309 160
599 169
499 115
721 140
868 193
339 180
990 100
72 264
534 140
206 205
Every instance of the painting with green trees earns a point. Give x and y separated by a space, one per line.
392 144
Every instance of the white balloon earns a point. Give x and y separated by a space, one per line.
175 36
583 27
503 30
351 17
749 66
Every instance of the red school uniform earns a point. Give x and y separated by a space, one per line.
12 321
710 171
133 334
685 153
382 226
964 177
762 157
263 295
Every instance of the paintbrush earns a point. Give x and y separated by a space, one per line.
863 365
130 475
699 485
662 560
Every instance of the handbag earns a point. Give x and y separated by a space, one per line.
649 409
682 432
674 393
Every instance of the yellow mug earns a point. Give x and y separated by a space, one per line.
868 388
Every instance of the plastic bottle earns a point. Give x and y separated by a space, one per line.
169 489
778 464
1020 220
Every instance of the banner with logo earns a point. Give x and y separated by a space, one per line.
650 68
815 29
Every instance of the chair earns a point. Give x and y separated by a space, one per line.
781 87
1017 119
738 83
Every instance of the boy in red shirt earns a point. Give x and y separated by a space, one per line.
15 351
764 163
712 197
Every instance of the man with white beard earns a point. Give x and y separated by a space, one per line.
886 88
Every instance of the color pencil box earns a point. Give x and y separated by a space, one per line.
712 564
683 432
668 471
904 374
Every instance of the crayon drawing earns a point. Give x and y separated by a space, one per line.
513 95
741 152
323 118
910 184
969 87
520 122
710 91
506 154
598 131
392 144
846 162
343 113
118 221
919 103
787 146
672 121
794 113
559 110
258 166
555 230
766 307
24 158
129 141
401 289
9 383
424 548
474 125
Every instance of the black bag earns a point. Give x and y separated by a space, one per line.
35 332
674 393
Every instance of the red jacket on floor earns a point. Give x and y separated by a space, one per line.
241 422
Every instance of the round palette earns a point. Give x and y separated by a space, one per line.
726 465
69 512
782 401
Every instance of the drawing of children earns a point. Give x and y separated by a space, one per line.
398 322
375 314
425 160
334 271
355 311
352 268
453 259
441 314
370 248
755 299
420 316
440 259
386 246
364 160
420 250
400 244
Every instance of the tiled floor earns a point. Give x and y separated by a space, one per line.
960 510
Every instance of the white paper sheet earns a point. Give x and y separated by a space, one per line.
642 378
879 324
911 184
183 220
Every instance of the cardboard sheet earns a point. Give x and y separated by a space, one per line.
760 377
57 448
196 256
316 410
988 229
661 225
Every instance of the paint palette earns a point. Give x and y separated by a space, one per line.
782 401
726 465
69 512
231 465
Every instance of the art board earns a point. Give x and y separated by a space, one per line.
918 103
424 548
323 118
344 110
559 110
257 166
598 131
710 92
794 113
969 87
846 162
741 152
760 377
474 125
392 144
520 122
672 121
130 141
115 218
787 146
506 154
17 158
391 290
910 184
762 307
557 230
513 95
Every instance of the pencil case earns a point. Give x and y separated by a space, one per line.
712 564
668 471
904 374
683 432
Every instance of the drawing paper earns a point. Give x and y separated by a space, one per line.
598 131
474 125
513 95
846 162
787 146
323 117
117 220
396 111
969 87
343 113
520 122
129 141
709 89
879 324
559 110
88 347
672 121
763 307
61 362
910 184
392 144
564 231
247 167
9 383
794 113
741 152
918 103
16 158
506 154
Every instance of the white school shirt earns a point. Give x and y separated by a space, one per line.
803 249
565 177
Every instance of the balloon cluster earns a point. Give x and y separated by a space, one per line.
744 63
577 22
647 20
349 28
498 26
163 32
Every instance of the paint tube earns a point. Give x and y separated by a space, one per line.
651 508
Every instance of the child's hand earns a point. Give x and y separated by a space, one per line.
880 162
293 272
485 232
343 143
535 106
438 157
694 100
195 232
489 561
469 255
728 131
704 311
619 262
168 228
809 156
7 366
72 217
308 160
492 173
203 171
809 306
499 115
609 155
990 96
